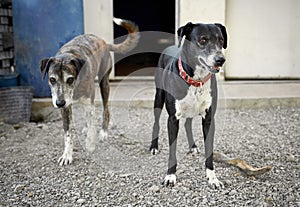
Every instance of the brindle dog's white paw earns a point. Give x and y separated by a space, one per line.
169 181
103 135
90 145
213 181
90 142
84 130
65 159
154 151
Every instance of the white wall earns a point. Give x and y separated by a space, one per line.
204 11
98 18
98 15
264 39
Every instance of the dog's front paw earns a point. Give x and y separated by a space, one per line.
169 181
90 145
194 150
154 151
213 180
84 130
65 159
103 134
178 115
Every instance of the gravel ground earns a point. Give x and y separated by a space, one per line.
121 172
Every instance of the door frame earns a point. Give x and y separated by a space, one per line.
103 10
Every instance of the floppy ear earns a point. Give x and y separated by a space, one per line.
224 33
78 63
44 66
184 31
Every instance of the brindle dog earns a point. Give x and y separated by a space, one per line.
71 74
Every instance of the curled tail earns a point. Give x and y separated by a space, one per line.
132 39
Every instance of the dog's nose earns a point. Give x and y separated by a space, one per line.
219 60
60 103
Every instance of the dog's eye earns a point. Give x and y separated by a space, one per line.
70 81
221 41
52 81
202 41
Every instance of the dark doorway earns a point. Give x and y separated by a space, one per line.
156 16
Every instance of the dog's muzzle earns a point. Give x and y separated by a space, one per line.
217 62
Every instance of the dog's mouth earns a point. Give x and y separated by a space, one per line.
211 69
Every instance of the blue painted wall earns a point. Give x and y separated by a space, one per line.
41 27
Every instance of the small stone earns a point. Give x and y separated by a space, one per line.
16 126
290 198
154 188
40 126
269 199
80 200
233 192
30 194
236 174
291 158
125 175
19 188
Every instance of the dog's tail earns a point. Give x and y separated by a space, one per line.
132 39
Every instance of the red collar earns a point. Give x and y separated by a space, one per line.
188 79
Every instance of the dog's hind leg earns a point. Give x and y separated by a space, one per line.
91 127
105 89
103 77
189 133
158 105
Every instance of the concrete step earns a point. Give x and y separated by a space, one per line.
232 95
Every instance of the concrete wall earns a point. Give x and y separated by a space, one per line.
205 11
98 18
98 15
264 39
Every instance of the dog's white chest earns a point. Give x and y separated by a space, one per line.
196 101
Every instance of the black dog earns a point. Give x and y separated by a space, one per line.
186 83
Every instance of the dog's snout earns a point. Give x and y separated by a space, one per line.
219 60
60 103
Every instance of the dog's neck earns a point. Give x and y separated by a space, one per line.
197 72
188 67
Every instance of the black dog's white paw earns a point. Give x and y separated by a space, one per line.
154 151
169 181
103 135
213 181
194 150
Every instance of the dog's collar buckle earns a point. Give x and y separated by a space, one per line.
188 79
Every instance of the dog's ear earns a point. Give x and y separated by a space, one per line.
78 63
44 66
184 31
224 33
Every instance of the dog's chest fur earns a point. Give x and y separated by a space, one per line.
196 102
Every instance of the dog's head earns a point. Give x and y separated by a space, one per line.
204 43
62 76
